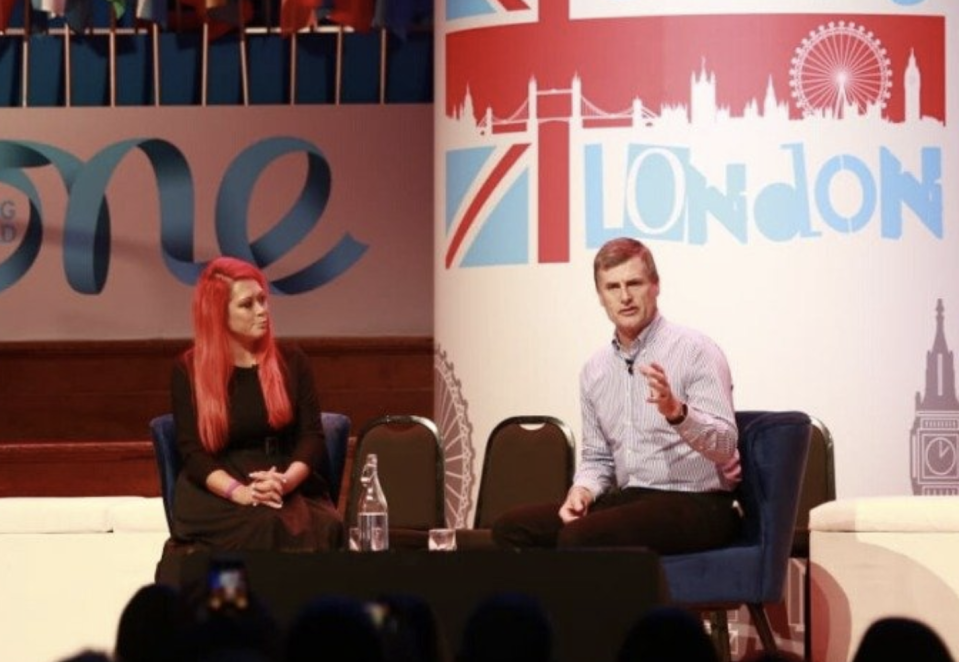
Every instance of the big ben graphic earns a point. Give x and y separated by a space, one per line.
934 439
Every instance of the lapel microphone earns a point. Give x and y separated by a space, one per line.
629 364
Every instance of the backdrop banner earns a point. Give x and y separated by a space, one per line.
787 162
108 215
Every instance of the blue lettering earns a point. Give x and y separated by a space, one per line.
859 170
728 208
14 158
655 191
781 210
233 202
86 240
666 198
923 196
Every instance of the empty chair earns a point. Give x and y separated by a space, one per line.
773 447
411 468
529 459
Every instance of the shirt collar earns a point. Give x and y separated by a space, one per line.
643 339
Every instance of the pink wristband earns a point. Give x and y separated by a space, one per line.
231 488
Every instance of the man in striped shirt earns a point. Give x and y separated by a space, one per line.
658 455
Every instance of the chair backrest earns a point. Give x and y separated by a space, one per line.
163 435
773 447
818 486
336 430
529 459
411 468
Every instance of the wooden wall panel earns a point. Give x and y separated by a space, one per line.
71 468
74 415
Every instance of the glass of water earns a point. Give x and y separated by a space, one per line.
442 540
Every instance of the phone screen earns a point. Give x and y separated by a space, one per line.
227 585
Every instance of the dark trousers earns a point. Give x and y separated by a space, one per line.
665 522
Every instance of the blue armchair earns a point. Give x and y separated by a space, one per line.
751 571
336 429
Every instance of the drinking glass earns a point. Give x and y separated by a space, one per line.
442 540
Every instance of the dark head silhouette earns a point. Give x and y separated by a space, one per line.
334 628
153 625
507 627
897 638
667 634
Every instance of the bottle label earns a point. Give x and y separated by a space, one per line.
374 532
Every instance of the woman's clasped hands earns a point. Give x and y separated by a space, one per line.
268 488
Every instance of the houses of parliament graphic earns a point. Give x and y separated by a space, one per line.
934 439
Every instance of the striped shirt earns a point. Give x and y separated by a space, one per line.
628 443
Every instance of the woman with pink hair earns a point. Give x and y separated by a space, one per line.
248 427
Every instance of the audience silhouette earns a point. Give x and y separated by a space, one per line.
88 656
161 624
410 630
507 627
334 628
898 638
154 626
249 632
668 634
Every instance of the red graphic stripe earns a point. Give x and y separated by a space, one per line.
486 190
554 192
513 5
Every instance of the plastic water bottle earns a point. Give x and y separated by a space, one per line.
373 514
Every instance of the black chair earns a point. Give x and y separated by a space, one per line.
818 484
336 430
752 570
529 459
411 469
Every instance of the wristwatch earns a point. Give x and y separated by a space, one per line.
680 418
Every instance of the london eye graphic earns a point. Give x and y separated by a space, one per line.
840 68
456 432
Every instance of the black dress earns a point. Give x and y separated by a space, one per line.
308 520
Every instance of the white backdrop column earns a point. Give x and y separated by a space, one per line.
790 169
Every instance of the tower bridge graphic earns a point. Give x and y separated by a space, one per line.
839 72
544 106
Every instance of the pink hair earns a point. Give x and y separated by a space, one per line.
210 360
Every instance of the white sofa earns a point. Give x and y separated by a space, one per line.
68 566
882 556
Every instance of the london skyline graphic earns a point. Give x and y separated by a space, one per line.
816 60
515 117
840 71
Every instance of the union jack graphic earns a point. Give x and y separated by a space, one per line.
525 80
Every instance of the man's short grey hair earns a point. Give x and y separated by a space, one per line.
616 251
